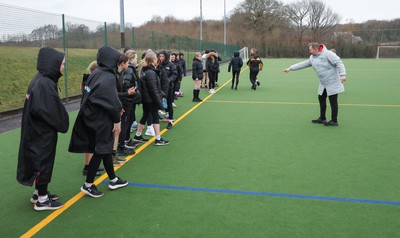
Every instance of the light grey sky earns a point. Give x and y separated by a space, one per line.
138 12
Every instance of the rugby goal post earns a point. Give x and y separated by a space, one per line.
244 54
388 51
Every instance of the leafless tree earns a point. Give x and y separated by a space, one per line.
299 14
261 16
322 19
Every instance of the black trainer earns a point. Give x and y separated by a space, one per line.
130 144
161 141
258 83
53 197
48 205
331 123
319 121
169 126
125 151
118 184
140 139
91 191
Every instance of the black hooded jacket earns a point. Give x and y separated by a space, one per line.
100 107
197 69
168 74
236 63
43 116
149 86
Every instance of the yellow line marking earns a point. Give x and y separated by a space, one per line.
78 196
306 103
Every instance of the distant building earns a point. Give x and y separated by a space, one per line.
347 36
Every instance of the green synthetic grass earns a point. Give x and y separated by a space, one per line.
242 140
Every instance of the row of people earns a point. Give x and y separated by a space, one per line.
105 113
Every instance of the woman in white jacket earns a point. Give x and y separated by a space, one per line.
331 73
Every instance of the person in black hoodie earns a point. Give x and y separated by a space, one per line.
150 89
126 89
168 74
212 66
197 76
43 116
98 118
236 64
174 59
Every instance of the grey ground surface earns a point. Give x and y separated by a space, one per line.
14 122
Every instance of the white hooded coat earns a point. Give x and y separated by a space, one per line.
329 67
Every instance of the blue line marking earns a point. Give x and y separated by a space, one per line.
265 194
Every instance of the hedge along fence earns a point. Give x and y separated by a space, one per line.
20 40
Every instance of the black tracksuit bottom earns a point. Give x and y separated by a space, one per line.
333 100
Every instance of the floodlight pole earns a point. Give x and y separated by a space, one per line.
122 24
201 25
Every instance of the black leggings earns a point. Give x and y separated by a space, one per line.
253 77
333 100
126 121
42 189
235 75
170 100
95 163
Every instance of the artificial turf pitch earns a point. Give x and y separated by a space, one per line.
241 164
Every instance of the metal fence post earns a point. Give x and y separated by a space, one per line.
105 34
65 50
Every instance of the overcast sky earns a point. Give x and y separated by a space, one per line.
138 12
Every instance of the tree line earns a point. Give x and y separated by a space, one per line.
274 28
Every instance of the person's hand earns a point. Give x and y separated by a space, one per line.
117 127
122 112
131 90
342 79
286 70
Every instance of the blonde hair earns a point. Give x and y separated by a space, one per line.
131 54
197 54
92 66
148 59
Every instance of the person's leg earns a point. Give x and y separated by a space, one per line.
88 187
45 200
156 126
211 77
233 79
196 91
124 126
252 79
237 78
108 165
322 105
170 100
92 168
333 100
138 136
42 189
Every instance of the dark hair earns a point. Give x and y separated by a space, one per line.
123 59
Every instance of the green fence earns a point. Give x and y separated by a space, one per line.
23 31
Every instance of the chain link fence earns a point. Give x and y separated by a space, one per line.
20 40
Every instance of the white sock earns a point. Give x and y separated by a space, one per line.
88 185
158 137
36 192
138 133
44 198
114 180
